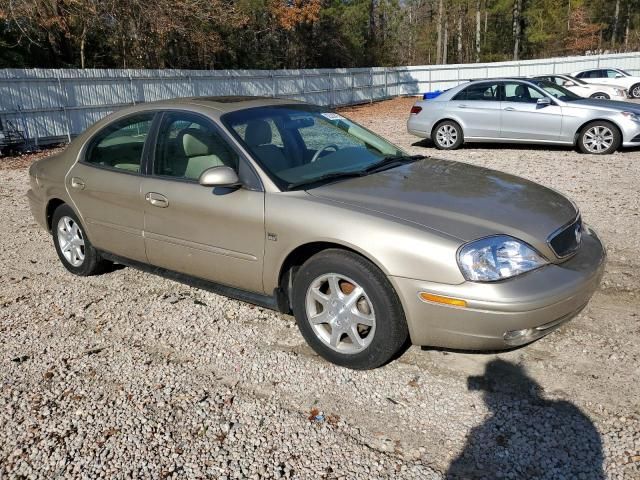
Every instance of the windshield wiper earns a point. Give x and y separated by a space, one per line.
384 164
392 161
328 176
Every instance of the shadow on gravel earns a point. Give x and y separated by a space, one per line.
427 143
526 436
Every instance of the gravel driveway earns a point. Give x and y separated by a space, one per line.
131 375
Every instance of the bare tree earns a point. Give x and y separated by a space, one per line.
477 31
614 32
517 29
439 42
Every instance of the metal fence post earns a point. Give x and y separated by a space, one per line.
65 112
386 86
133 98
274 85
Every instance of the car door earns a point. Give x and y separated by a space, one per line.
212 233
524 119
105 186
478 109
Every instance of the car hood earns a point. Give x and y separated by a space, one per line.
459 200
616 105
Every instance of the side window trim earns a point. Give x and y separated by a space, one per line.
143 157
244 166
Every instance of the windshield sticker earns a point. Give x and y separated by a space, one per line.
332 116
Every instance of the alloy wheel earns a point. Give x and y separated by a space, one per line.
598 139
635 93
340 313
446 136
71 241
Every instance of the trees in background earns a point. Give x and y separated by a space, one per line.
306 33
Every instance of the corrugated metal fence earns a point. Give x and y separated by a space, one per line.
55 104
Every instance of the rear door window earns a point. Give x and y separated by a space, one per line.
482 92
121 144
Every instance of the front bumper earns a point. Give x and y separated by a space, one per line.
538 302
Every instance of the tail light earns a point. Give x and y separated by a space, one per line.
415 110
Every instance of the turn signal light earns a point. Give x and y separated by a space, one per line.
430 297
415 109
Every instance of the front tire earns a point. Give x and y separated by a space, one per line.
599 138
447 135
600 96
72 245
634 91
348 311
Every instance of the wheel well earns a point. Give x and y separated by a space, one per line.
575 137
294 261
446 120
51 207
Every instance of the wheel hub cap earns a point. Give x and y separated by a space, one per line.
71 241
340 313
598 139
446 135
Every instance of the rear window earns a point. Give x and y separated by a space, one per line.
482 92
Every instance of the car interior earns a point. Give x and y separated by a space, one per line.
186 149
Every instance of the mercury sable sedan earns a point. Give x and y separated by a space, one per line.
525 111
297 208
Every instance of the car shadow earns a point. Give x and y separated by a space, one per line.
427 143
526 435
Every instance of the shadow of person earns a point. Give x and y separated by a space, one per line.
527 436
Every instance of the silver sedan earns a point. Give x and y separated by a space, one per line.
525 111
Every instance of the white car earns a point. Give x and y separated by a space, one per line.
587 90
611 76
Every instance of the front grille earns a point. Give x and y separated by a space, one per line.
566 240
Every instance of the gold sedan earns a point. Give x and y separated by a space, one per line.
297 208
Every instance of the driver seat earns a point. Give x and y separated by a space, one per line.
258 137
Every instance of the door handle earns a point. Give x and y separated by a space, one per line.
510 109
157 200
462 106
77 183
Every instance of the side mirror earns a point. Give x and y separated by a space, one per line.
544 101
219 177
568 83
619 75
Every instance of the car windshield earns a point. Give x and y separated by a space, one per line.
557 91
302 144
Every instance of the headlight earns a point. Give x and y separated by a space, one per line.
496 258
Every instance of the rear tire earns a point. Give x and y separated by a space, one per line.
347 310
72 245
447 135
600 96
599 138
634 91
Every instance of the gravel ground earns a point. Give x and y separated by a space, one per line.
131 375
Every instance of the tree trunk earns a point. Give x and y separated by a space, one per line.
626 30
477 31
460 59
517 30
83 41
439 42
445 53
616 16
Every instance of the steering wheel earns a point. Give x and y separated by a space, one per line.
317 154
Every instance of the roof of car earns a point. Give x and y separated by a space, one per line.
226 104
